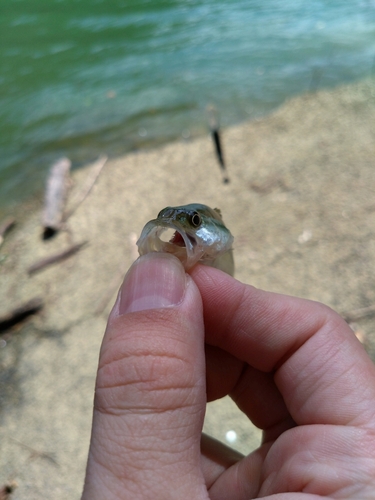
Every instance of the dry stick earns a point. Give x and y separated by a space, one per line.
83 194
6 490
117 279
358 313
55 197
20 313
271 183
112 287
6 226
36 453
58 257
213 121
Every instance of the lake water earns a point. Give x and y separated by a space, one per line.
80 78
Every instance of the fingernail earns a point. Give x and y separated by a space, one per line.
154 280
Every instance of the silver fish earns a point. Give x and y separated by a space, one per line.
199 236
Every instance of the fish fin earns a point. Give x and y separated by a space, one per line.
224 262
218 211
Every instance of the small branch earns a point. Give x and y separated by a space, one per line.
55 197
86 189
268 185
54 259
117 279
213 122
7 489
112 288
357 314
6 226
20 313
36 453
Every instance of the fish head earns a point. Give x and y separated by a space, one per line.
196 233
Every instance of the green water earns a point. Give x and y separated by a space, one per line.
80 78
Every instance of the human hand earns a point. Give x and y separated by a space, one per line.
293 367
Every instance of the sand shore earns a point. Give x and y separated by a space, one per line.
302 210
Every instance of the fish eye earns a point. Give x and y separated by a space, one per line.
195 219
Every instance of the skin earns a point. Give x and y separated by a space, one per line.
293 366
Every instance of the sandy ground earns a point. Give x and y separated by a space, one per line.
300 205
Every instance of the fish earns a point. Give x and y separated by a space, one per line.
198 235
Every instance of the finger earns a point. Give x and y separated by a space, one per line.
150 391
321 370
222 372
266 407
216 458
330 461
228 474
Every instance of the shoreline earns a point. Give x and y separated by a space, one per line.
300 206
160 142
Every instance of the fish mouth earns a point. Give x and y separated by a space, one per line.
179 239
181 244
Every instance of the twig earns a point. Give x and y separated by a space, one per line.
6 226
213 122
357 314
112 288
117 279
58 257
36 453
268 185
86 189
20 313
55 198
7 489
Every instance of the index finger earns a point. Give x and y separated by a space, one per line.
320 368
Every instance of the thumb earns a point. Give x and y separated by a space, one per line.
150 391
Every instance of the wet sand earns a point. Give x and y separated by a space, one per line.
301 206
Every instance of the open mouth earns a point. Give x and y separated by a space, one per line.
168 238
177 239
173 240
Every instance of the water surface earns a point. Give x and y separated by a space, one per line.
80 78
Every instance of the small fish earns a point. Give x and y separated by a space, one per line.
199 236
